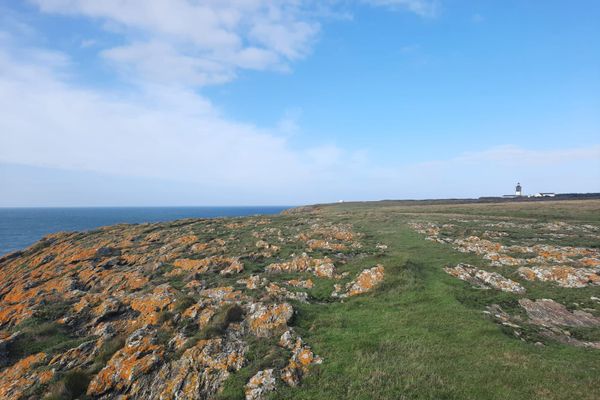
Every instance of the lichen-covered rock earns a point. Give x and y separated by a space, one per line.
269 320
18 378
234 268
318 244
224 265
79 357
547 312
300 361
131 302
223 294
363 283
569 277
140 355
150 305
325 270
252 282
322 268
260 385
278 292
306 284
198 374
484 279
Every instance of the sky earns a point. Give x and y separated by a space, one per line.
256 102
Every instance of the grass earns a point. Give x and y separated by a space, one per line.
41 333
423 335
70 386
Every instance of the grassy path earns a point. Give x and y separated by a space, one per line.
422 335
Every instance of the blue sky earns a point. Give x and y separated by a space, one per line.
254 102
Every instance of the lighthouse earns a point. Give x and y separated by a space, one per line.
518 190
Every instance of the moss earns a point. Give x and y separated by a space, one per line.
69 386
108 349
220 321
36 337
183 303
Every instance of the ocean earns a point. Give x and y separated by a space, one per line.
21 227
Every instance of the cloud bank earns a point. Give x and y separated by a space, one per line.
159 126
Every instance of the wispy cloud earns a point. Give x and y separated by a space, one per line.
202 43
166 129
424 8
198 43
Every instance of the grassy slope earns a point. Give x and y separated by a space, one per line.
422 335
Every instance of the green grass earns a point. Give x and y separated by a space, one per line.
423 335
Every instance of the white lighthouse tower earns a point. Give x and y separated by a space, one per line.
518 190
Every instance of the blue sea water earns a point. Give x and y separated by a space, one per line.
21 227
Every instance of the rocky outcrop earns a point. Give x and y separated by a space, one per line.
160 311
322 268
269 320
363 283
484 279
260 385
22 376
566 265
568 277
547 312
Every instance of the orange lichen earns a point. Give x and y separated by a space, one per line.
19 377
265 321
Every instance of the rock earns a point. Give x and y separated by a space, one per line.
306 284
104 252
252 282
497 313
484 279
225 265
269 320
315 244
234 268
322 268
151 304
298 365
288 339
278 292
569 277
108 308
139 356
325 270
198 374
141 295
21 376
260 384
547 312
363 283
222 293
79 357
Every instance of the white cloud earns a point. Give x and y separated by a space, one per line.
206 42
164 130
198 43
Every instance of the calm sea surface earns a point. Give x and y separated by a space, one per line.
21 227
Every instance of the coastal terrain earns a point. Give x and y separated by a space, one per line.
374 300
